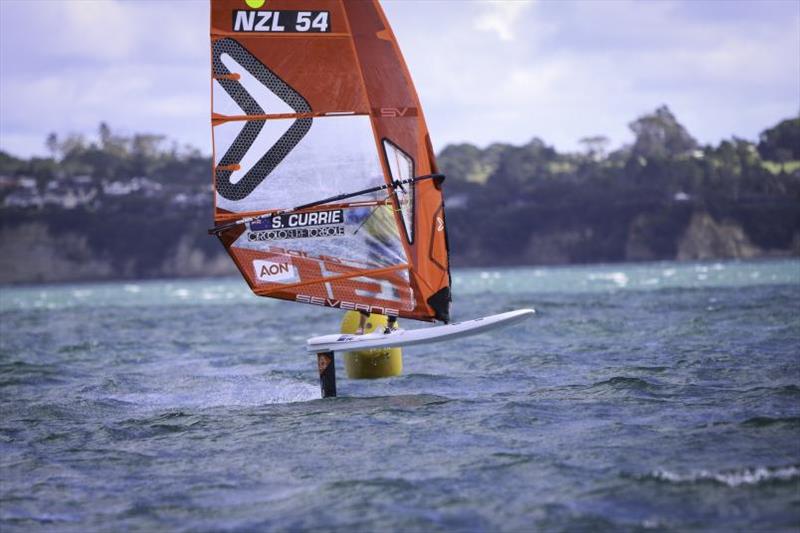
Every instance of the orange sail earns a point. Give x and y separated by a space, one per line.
325 185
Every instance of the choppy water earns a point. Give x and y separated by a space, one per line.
661 396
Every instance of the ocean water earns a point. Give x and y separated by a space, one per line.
657 396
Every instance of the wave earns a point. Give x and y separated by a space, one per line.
650 368
625 383
385 404
766 421
789 390
22 373
729 478
86 346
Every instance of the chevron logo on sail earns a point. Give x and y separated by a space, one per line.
254 80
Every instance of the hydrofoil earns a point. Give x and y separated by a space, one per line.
325 346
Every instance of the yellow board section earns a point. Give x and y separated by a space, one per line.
375 362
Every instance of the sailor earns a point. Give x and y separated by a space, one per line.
383 241
391 323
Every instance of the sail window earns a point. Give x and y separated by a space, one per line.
401 167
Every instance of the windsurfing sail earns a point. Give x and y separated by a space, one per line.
325 185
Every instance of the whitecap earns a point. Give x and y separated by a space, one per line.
618 278
221 391
731 478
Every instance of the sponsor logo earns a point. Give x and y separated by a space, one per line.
280 21
317 224
299 220
395 112
255 4
274 272
342 304
439 224
296 233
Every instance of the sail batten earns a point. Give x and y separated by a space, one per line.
312 105
218 118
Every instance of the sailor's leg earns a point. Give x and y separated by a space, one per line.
362 322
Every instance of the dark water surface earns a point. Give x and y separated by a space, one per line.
659 396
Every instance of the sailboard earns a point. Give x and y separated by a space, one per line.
335 343
326 190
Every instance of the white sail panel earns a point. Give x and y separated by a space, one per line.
270 133
222 103
267 100
336 155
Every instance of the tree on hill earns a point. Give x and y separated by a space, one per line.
660 135
595 146
781 143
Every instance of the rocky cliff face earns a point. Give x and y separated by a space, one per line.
705 238
34 251
555 247
31 253
189 261
652 236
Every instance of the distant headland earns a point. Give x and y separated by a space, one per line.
131 207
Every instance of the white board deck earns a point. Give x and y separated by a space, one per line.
409 337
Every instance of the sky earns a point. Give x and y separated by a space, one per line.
485 71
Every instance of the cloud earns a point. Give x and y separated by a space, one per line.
141 98
485 71
67 66
103 30
501 17
579 68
